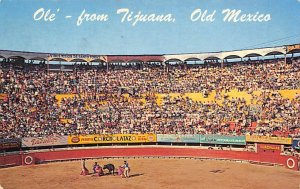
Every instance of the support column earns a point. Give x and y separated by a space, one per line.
47 66
285 56
222 63
284 60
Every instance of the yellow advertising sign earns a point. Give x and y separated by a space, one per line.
292 47
111 138
267 139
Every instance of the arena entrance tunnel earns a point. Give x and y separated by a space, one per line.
39 157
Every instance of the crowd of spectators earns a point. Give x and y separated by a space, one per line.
99 106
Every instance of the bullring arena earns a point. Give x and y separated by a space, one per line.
213 120
153 167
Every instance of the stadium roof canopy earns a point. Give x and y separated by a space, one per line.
24 55
230 54
269 51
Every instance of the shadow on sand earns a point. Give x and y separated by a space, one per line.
217 171
136 175
108 174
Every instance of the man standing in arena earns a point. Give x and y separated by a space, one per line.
84 170
126 169
96 167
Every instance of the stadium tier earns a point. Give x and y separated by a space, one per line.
242 92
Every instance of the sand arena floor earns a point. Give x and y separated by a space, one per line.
152 173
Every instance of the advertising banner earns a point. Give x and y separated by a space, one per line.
70 57
111 138
44 141
292 47
223 139
269 148
3 97
6 144
267 139
296 144
178 138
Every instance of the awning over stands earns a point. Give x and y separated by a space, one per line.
270 51
24 55
229 54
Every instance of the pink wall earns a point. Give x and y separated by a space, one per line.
153 151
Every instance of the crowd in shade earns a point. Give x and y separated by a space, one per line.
99 107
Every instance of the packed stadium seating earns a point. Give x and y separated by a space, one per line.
245 98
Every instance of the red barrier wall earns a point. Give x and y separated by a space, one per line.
11 160
39 157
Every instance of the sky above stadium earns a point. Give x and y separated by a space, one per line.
146 26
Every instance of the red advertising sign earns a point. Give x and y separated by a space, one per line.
269 148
